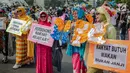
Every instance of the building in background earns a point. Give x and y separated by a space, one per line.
55 3
11 2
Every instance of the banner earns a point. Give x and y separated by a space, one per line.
15 26
41 34
113 56
2 23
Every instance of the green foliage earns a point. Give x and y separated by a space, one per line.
119 1
124 1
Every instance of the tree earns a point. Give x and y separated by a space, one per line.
119 1
124 1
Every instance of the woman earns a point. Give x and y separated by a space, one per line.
24 48
77 52
103 17
43 52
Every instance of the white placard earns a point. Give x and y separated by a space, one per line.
111 55
15 26
2 23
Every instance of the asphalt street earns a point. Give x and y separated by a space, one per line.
66 65
7 68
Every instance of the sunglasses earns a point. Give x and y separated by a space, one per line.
97 13
19 11
43 16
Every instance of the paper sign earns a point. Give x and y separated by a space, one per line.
112 56
2 23
41 34
15 26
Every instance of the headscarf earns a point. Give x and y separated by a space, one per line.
23 11
106 11
44 22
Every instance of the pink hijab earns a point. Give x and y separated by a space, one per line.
46 23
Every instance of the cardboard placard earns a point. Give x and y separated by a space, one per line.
15 26
41 34
2 23
113 56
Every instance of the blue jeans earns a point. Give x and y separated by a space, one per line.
122 36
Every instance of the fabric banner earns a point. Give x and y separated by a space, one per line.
113 56
41 34
15 26
2 23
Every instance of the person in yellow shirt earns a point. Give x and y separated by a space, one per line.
24 48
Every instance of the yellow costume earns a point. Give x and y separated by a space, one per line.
60 23
24 48
80 32
101 31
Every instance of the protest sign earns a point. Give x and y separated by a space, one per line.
2 23
112 56
41 34
15 26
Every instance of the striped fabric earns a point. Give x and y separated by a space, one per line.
24 48
21 51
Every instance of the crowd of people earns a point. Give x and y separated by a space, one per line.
74 28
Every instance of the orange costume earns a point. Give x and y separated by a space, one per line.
24 48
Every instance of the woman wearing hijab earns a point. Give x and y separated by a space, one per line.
24 48
103 17
43 52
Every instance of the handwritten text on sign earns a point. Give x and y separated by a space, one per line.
41 34
15 26
111 55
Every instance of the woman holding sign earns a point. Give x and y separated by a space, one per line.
103 18
24 48
43 52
